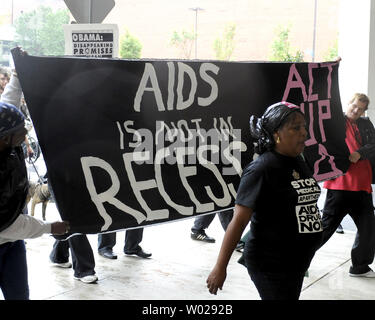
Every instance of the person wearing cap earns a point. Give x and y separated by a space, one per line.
278 193
14 225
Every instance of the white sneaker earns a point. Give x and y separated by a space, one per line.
368 274
88 279
62 265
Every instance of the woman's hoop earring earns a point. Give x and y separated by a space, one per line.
278 140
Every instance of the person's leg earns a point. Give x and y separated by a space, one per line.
82 256
335 209
363 249
278 285
133 238
200 224
106 241
13 271
60 252
225 218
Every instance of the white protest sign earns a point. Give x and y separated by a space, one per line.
91 40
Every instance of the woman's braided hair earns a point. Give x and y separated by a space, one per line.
263 128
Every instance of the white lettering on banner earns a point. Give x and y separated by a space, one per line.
106 196
187 172
225 201
138 186
172 143
149 75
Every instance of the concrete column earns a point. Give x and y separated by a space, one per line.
357 50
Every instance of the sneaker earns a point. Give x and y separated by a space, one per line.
88 279
368 274
201 236
240 246
340 229
62 265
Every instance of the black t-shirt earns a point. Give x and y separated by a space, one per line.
286 227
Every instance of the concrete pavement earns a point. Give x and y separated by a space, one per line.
179 267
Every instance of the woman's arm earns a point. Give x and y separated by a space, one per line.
232 236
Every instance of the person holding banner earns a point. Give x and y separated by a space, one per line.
278 193
352 193
15 226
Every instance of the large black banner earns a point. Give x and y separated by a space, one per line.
129 143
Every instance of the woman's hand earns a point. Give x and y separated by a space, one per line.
233 234
216 279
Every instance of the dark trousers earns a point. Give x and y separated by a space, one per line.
13 271
82 255
359 205
278 285
133 238
202 222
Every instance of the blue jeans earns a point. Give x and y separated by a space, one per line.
277 285
13 271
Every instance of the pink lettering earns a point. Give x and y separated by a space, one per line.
312 97
329 77
291 84
328 175
312 139
323 116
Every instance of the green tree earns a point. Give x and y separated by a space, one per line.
40 31
332 52
130 46
224 46
184 42
281 50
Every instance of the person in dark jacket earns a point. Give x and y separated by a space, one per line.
14 225
352 193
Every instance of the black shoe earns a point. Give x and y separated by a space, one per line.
340 229
140 253
108 254
201 236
